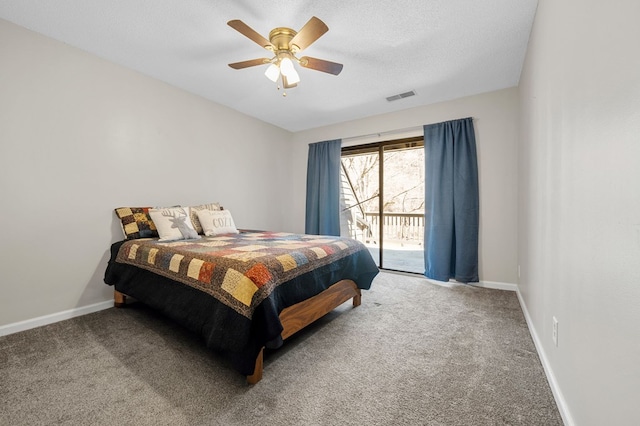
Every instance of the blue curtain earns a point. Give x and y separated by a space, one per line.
451 201
323 188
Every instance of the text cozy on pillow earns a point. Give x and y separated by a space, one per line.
217 222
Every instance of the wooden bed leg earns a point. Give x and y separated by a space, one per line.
257 372
119 299
357 299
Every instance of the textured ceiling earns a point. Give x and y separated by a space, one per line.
441 49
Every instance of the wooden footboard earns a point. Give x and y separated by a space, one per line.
295 317
298 316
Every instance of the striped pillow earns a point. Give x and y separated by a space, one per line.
193 214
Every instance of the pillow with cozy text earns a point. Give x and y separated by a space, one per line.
217 222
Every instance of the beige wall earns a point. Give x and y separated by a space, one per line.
80 136
579 204
495 121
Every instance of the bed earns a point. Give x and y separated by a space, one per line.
241 292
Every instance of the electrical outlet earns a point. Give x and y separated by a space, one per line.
555 331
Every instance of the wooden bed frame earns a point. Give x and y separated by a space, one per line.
298 316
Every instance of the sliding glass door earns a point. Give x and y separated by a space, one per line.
360 199
383 201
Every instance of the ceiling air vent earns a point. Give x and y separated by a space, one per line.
401 95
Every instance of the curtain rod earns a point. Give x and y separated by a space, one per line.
388 132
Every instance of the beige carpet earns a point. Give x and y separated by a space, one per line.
413 354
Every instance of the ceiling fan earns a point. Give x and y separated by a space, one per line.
285 43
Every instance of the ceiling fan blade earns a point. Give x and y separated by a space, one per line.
286 84
311 31
249 63
250 33
321 65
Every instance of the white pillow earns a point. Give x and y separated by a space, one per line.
173 223
217 222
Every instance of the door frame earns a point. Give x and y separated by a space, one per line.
379 147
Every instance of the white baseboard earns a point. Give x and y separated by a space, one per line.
553 383
51 318
496 285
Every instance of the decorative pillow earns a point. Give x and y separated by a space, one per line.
217 222
173 223
136 222
194 216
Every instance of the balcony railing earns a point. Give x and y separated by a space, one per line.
397 226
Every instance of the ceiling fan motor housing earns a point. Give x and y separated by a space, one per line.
281 37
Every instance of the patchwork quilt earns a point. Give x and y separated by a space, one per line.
239 270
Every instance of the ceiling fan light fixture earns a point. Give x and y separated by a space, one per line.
272 72
286 67
289 71
293 77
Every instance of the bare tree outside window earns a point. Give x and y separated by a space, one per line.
402 204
